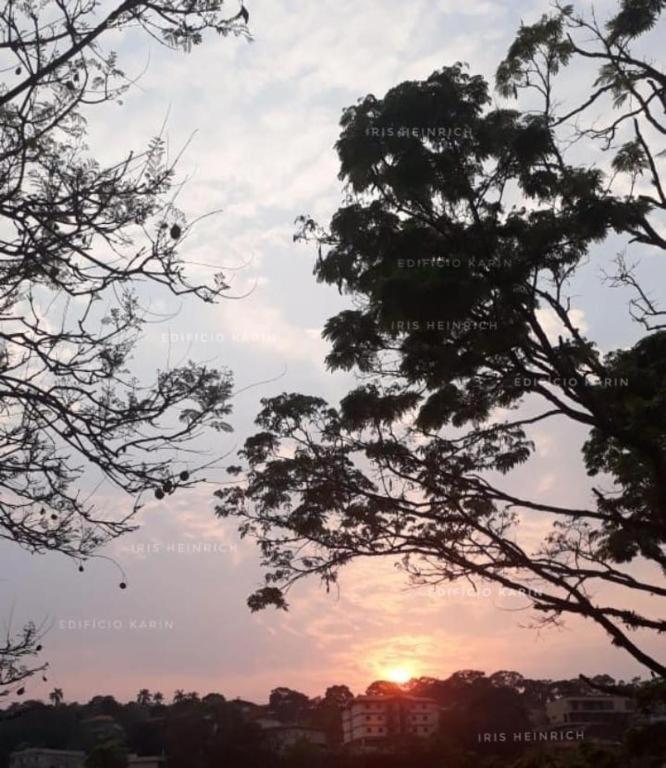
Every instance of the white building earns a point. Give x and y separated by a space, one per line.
588 710
371 721
601 719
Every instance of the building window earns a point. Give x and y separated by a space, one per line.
368 730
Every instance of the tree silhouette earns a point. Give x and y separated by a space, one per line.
17 658
327 713
385 688
459 247
215 731
108 754
338 696
77 236
143 697
288 705
56 696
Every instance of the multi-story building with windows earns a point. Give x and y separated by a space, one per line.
585 710
373 721
594 718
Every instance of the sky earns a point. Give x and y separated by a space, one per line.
257 123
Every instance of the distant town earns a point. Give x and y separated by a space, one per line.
363 326
467 719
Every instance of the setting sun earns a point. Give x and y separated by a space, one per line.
400 675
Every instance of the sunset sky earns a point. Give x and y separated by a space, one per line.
261 120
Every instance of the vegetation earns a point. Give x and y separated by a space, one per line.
205 731
460 249
77 238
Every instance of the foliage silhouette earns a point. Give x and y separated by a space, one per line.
463 229
211 730
76 238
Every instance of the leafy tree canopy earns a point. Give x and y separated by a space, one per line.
464 226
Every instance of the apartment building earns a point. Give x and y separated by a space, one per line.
373 721
587 710
601 719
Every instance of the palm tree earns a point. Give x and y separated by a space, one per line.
158 698
178 696
143 697
56 696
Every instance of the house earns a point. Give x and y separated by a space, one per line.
282 736
46 758
371 722
593 718
585 710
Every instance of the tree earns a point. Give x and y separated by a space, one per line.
457 287
385 688
17 658
338 696
288 705
192 696
158 698
143 697
327 714
56 697
509 679
480 705
104 705
76 238
214 700
109 754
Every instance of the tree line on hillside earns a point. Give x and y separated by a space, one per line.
195 731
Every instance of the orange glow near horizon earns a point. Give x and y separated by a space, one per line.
399 675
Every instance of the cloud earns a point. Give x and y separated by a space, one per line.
266 119
554 327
